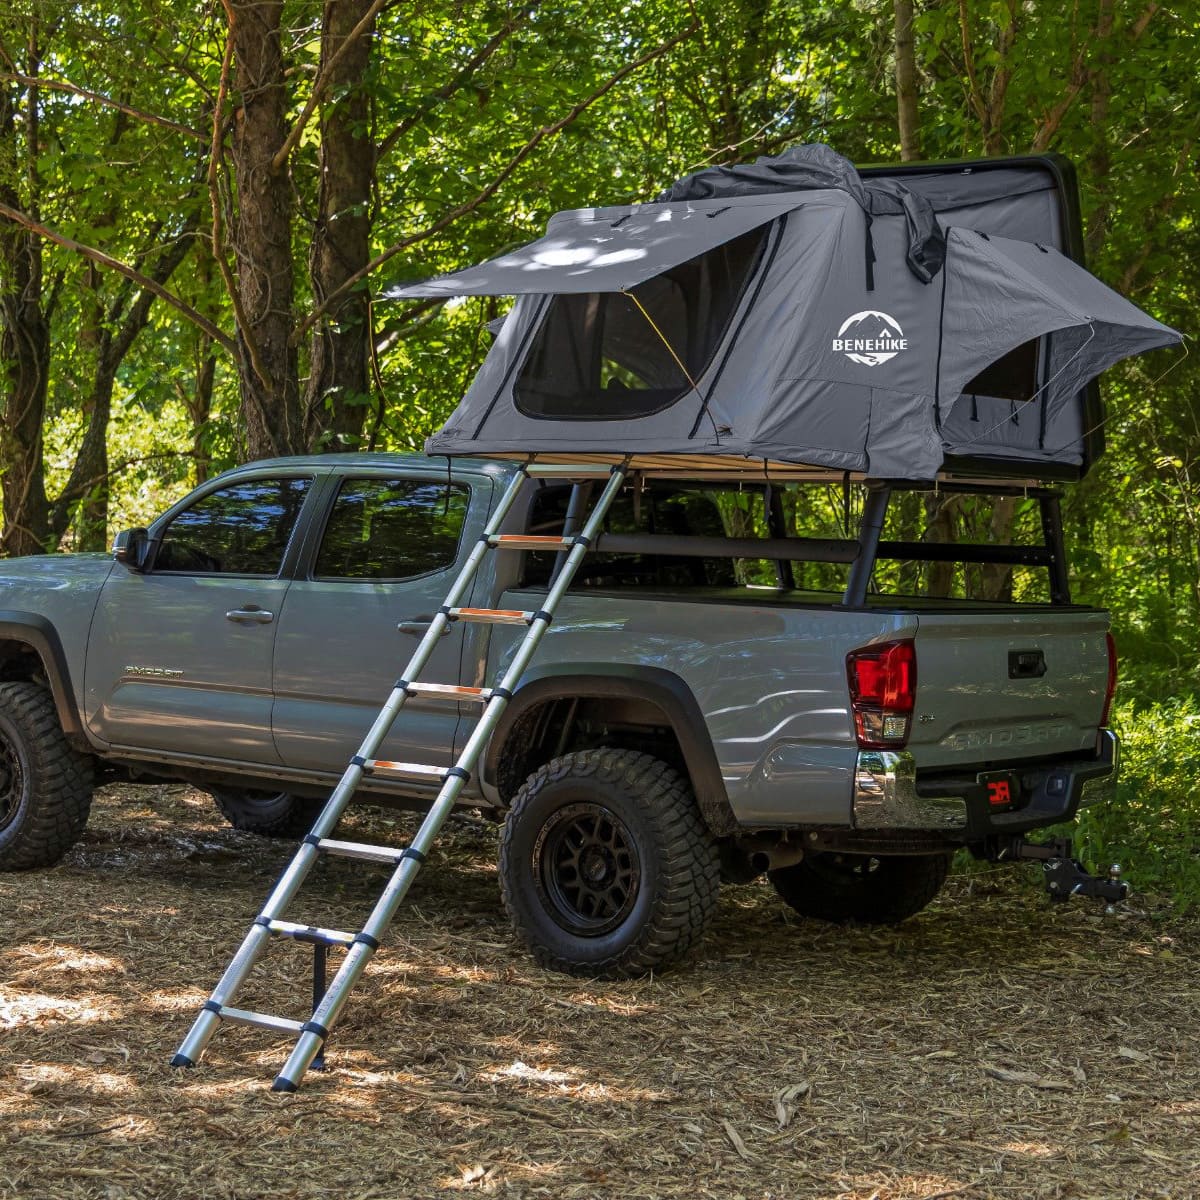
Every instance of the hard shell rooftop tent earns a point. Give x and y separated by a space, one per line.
795 312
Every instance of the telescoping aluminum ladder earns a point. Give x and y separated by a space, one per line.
361 946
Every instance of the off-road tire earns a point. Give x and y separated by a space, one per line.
269 814
647 833
45 783
882 890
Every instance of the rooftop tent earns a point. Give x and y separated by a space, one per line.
735 320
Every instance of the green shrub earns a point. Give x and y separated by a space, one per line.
1153 827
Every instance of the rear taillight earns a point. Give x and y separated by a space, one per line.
883 690
1111 689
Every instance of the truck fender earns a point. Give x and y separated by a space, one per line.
36 632
658 686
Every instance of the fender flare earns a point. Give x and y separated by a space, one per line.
36 632
659 687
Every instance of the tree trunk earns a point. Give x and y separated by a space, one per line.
24 345
262 231
199 406
338 386
906 83
86 491
25 355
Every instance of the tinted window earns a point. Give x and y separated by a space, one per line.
242 529
610 356
391 529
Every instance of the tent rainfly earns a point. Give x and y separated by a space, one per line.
794 312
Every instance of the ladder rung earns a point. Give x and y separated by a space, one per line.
312 933
361 850
383 766
530 541
494 616
450 691
265 1020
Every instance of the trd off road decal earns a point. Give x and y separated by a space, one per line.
870 338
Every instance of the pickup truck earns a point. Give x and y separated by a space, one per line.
709 703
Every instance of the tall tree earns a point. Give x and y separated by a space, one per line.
24 326
337 388
264 290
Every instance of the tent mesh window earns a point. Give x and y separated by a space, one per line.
610 356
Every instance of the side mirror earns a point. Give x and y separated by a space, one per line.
130 547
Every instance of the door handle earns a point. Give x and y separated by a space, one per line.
418 626
250 615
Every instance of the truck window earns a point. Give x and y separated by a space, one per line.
240 529
391 529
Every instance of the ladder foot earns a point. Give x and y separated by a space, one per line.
282 1084
182 1060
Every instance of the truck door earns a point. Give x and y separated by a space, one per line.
370 582
179 658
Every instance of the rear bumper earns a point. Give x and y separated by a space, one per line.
889 795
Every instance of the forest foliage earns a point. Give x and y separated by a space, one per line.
201 207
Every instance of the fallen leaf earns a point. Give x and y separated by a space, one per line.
736 1139
473 1174
786 1102
1028 1077
1135 1055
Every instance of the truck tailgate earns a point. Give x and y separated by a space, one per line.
995 687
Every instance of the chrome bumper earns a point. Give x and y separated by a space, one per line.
885 793
885 796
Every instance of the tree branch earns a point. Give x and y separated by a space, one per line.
976 96
115 264
319 86
65 85
472 65
547 131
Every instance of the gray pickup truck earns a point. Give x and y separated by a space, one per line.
708 704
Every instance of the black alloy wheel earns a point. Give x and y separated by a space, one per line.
12 781
587 869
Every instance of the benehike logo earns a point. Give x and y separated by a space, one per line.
870 338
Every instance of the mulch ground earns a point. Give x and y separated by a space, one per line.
991 1047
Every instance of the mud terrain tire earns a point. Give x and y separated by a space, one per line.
269 814
606 866
45 783
860 887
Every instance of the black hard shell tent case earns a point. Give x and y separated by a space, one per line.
1071 241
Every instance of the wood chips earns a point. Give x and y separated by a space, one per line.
991 1047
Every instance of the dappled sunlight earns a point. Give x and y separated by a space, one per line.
181 1000
44 1078
970 1051
37 1008
37 958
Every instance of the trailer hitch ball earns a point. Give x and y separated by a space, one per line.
1062 874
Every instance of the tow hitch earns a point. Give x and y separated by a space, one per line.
1063 875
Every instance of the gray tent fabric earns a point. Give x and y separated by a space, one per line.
607 249
817 166
1001 292
801 362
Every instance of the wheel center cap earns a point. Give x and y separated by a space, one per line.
594 866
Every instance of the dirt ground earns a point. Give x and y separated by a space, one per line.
992 1047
